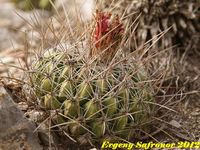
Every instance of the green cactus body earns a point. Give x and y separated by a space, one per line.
110 105
98 128
51 103
103 102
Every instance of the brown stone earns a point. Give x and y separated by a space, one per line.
16 132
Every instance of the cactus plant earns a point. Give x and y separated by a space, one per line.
99 95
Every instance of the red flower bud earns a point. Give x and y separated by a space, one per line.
108 33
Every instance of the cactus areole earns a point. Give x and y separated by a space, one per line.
94 101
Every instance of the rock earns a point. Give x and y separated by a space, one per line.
16 132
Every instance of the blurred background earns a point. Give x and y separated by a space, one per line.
22 21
